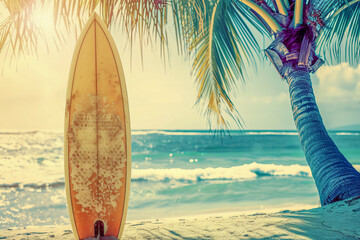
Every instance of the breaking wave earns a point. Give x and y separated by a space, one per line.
206 132
238 173
247 171
348 133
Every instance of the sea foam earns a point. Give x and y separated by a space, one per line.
247 171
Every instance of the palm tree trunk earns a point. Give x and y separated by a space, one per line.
336 179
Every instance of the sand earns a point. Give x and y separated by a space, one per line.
340 220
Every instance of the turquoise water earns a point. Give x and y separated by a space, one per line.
174 173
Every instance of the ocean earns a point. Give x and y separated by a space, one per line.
174 173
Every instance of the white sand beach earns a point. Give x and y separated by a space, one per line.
340 220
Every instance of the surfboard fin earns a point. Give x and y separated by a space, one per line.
108 238
102 238
99 228
99 232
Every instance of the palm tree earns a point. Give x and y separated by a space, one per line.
220 33
220 38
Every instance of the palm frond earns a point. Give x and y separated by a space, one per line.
4 32
298 12
339 40
327 8
217 35
141 18
282 6
18 30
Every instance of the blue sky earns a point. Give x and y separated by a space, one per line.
32 92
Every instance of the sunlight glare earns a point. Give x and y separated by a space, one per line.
44 20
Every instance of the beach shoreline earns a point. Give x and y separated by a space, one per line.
335 221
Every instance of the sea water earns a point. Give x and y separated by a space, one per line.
174 173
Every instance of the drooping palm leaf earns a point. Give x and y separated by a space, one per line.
217 33
4 32
142 18
18 30
340 37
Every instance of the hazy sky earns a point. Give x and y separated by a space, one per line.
32 92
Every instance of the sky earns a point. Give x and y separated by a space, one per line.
33 90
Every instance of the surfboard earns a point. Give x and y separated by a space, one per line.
97 146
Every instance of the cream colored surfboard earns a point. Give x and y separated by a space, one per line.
97 136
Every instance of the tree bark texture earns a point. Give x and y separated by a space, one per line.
336 179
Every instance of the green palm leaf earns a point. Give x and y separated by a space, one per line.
339 39
218 36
